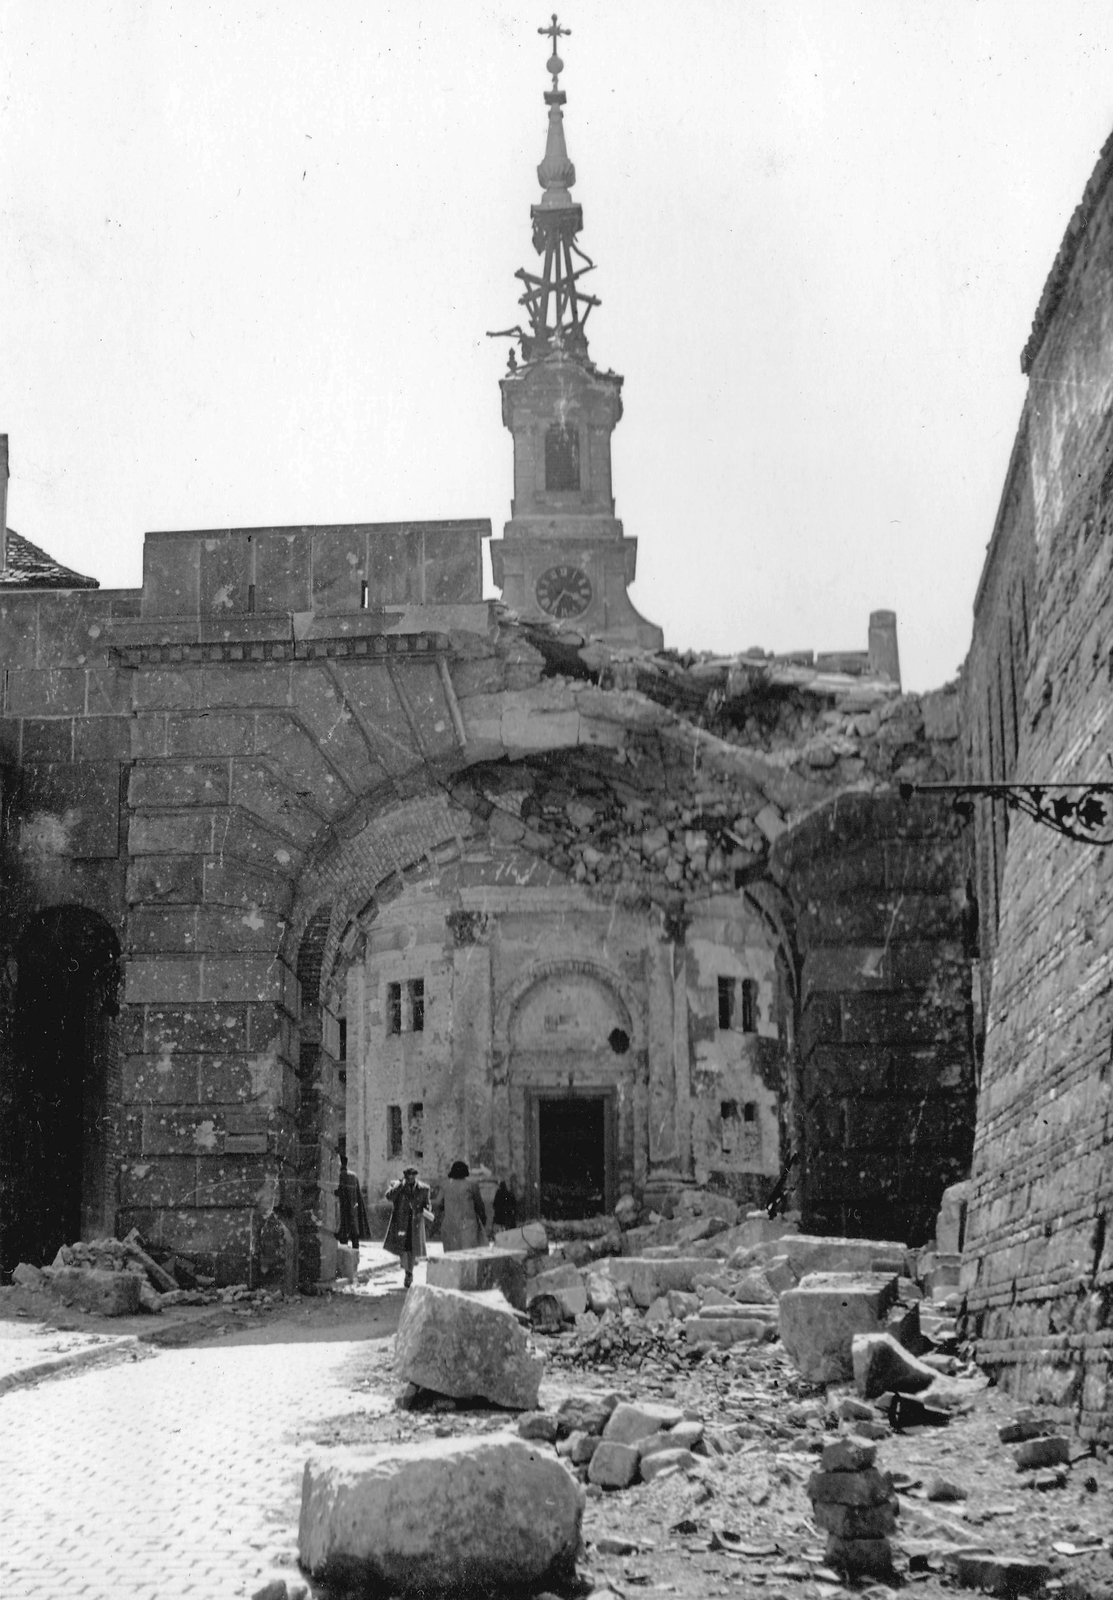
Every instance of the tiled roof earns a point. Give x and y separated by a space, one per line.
28 567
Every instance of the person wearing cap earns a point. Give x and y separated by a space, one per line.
409 1212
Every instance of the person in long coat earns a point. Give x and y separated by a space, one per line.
409 1212
465 1215
352 1222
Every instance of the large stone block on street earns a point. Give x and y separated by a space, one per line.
881 1364
820 1317
111 1294
476 1271
467 1346
480 1514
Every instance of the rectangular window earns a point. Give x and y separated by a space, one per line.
342 1047
417 1004
393 1132
562 456
726 1002
394 1008
417 1130
749 1006
728 1125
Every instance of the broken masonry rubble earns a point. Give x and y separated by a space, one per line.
120 1278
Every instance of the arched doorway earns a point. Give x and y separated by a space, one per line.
60 1087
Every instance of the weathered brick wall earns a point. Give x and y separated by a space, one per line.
1038 1269
884 1060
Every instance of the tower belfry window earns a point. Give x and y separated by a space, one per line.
562 456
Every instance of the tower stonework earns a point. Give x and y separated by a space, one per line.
563 554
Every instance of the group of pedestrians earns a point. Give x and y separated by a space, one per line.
460 1211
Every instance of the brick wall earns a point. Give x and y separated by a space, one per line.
884 1061
1038 1269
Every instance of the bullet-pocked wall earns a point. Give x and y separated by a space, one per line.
1038 1266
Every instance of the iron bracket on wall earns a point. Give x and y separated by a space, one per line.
1079 811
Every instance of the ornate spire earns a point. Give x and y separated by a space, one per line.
557 308
556 174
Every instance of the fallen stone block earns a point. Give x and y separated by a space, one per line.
483 1514
820 1317
110 1294
628 1423
659 1312
602 1293
25 1276
727 1331
614 1465
1025 1425
587 1414
538 1425
1050 1452
997 1574
583 1448
347 1262
868 1488
479 1270
682 1437
780 1275
847 1455
681 1304
467 1346
565 1285
753 1288
531 1238
943 1489
648 1279
881 1364
663 1461
856 1522
818 1253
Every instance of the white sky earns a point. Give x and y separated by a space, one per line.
248 254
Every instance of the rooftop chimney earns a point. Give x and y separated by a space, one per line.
884 656
3 502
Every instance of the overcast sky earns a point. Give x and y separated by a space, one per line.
249 253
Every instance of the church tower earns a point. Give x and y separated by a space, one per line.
563 555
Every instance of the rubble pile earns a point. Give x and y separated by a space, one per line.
718 758
119 1277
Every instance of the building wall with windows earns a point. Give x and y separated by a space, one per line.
504 1016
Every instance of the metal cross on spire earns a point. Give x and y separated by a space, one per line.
555 65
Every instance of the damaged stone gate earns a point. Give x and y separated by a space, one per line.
306 840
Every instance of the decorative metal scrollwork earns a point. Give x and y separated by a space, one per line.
1082 812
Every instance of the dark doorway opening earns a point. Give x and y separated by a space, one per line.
572 1156
58 1090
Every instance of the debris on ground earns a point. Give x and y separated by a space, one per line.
119 1277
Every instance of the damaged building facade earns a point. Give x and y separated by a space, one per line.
1037 699
305 843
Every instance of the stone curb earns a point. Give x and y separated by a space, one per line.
68 1363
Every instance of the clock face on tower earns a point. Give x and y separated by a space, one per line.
564 591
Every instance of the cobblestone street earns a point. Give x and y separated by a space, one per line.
176 1472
